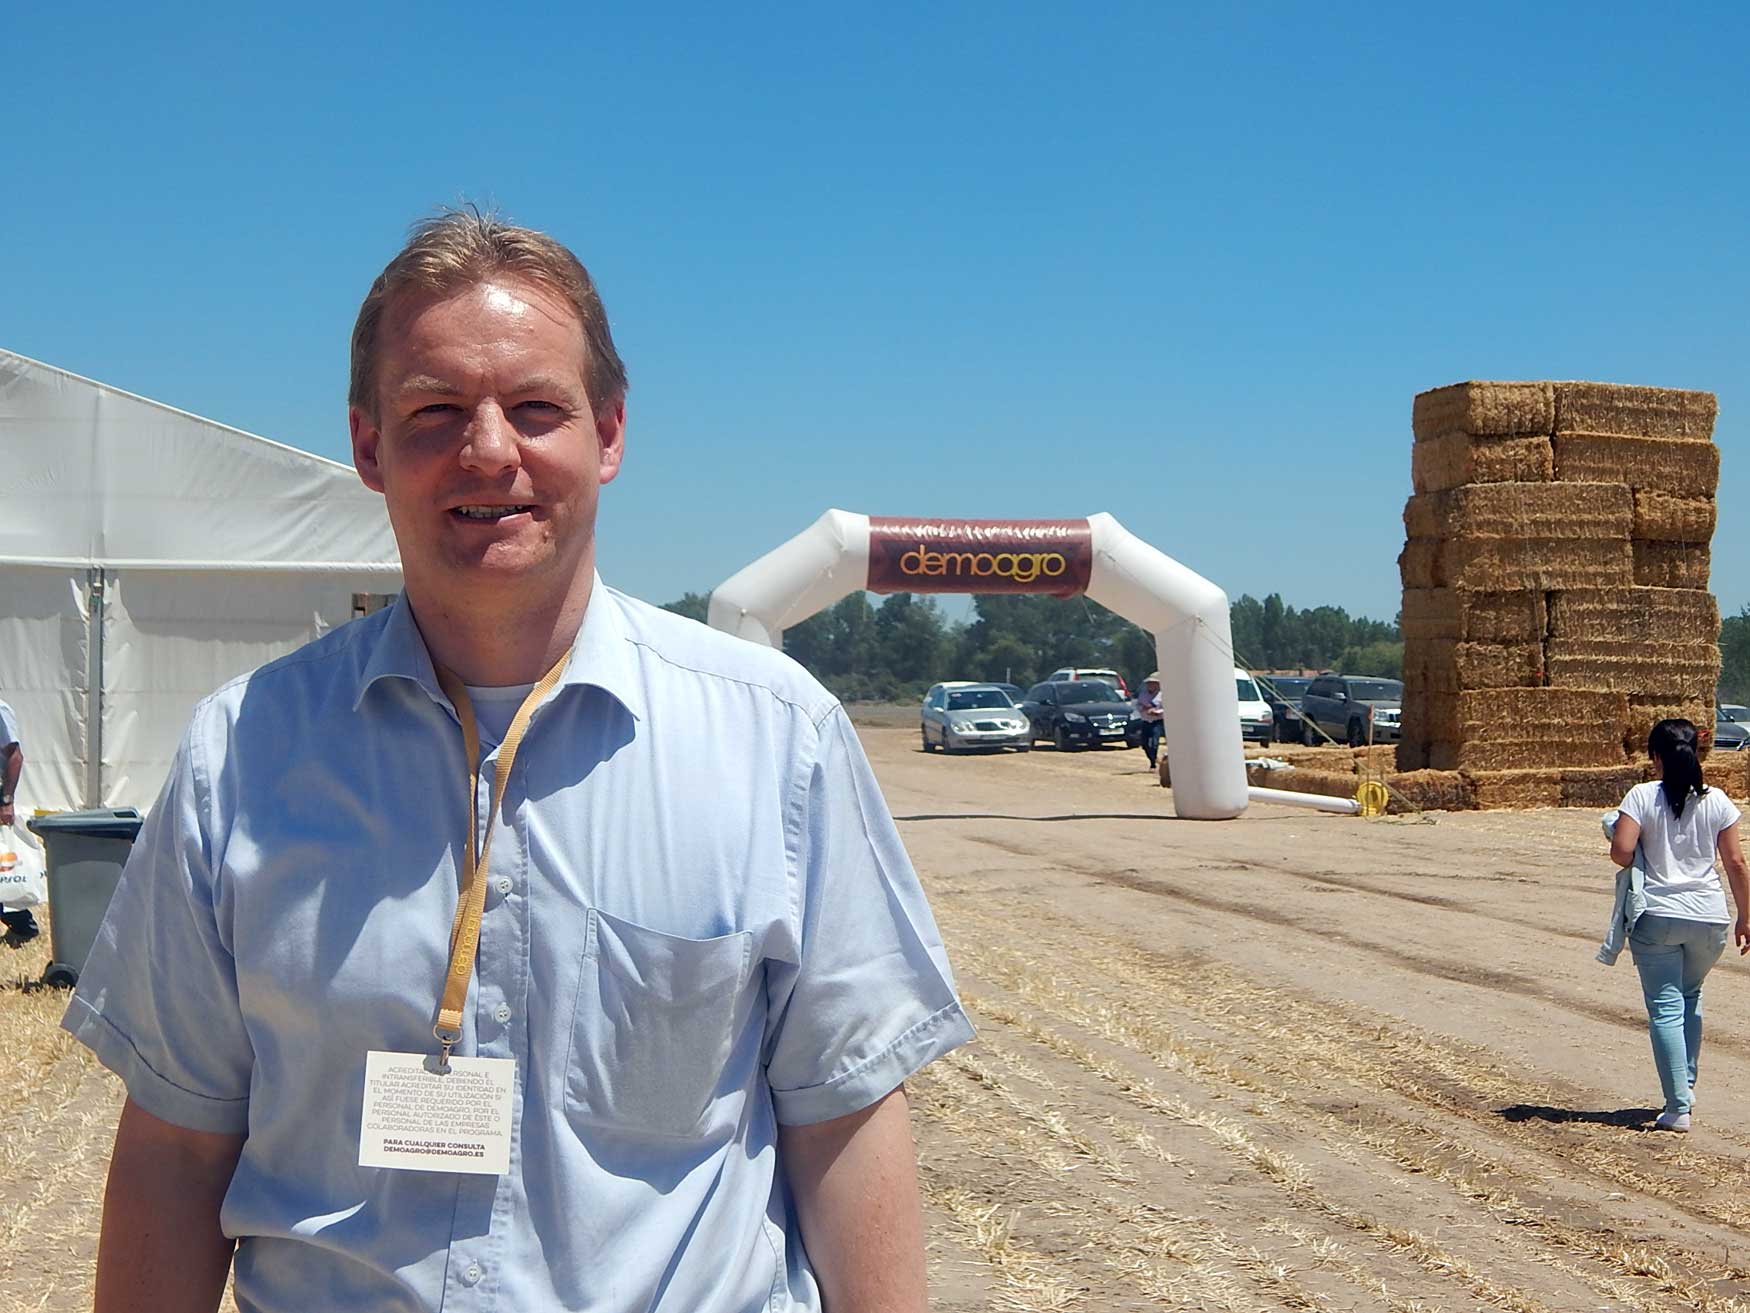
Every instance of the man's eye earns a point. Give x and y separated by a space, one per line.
537 405
437 408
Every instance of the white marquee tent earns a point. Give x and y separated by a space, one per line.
147 556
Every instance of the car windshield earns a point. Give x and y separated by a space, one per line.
1087 690
1248 691
1290 687
1376 690
975 699
1732 711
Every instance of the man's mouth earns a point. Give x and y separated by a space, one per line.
489 512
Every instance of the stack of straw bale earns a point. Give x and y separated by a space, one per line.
1555 578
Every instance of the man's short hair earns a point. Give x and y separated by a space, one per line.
460 248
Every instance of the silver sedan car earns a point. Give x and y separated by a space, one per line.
960 715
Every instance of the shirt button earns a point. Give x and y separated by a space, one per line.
502 1012
504 884
472 1275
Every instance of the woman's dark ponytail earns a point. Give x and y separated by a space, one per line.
1673 743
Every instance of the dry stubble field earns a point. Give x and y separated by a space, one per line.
1291 1062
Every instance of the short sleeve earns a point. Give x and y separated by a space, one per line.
1634 805
871 999
157 998
1726 811
8 727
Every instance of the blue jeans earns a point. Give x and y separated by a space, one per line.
1673 957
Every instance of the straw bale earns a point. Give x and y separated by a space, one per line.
1599 786
1499 752
1522 510
1662 517
1644 713
1484 409
1439 665
1632 613
1677 672
1329 784
1413 753
1508 564
1672 565
1419 563
1512 617
1457 459
1431 790
1638 411
1728 772
1326 757
1680 466
1377 759
1516 788
1542 712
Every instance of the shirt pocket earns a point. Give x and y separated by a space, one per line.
653 1025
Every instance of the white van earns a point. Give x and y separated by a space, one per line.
1257 721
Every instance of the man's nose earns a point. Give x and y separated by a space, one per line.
490 444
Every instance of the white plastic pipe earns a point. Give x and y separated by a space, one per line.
1316 801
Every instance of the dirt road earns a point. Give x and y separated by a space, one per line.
1289 1062
1299 1061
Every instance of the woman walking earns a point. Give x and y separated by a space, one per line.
1679 824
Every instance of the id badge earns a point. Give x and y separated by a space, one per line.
420 1118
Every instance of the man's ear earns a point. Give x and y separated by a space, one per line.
610 432
367 441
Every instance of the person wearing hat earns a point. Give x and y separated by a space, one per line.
1148 708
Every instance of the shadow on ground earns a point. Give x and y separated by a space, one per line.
1633 1118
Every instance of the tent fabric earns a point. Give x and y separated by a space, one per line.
146 557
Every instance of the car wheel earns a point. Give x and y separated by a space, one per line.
1309 737
928 746
1357 734
1061 738
1024 747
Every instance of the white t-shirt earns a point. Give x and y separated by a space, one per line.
495 708
8 726
1679 851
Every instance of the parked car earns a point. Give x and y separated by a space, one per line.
1111 677
1013 690
1352 710
961 714
1079 713
1733 711
1257 721
1283 693
1730 733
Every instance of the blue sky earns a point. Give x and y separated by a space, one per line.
1186 265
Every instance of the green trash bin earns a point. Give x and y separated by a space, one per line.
83 856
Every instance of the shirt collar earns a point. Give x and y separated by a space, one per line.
602 655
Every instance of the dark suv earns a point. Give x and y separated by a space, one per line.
1352 710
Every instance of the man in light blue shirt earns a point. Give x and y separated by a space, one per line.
702 945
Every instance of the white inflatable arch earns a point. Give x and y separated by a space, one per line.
842 552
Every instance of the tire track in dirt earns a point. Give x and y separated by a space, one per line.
1459 973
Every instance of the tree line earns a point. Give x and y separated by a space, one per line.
1734 657
895 650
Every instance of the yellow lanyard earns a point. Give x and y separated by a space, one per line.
471 899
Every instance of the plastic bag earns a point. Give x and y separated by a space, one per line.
22 883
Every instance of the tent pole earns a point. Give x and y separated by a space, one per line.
94 579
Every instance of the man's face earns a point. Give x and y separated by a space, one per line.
486 446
